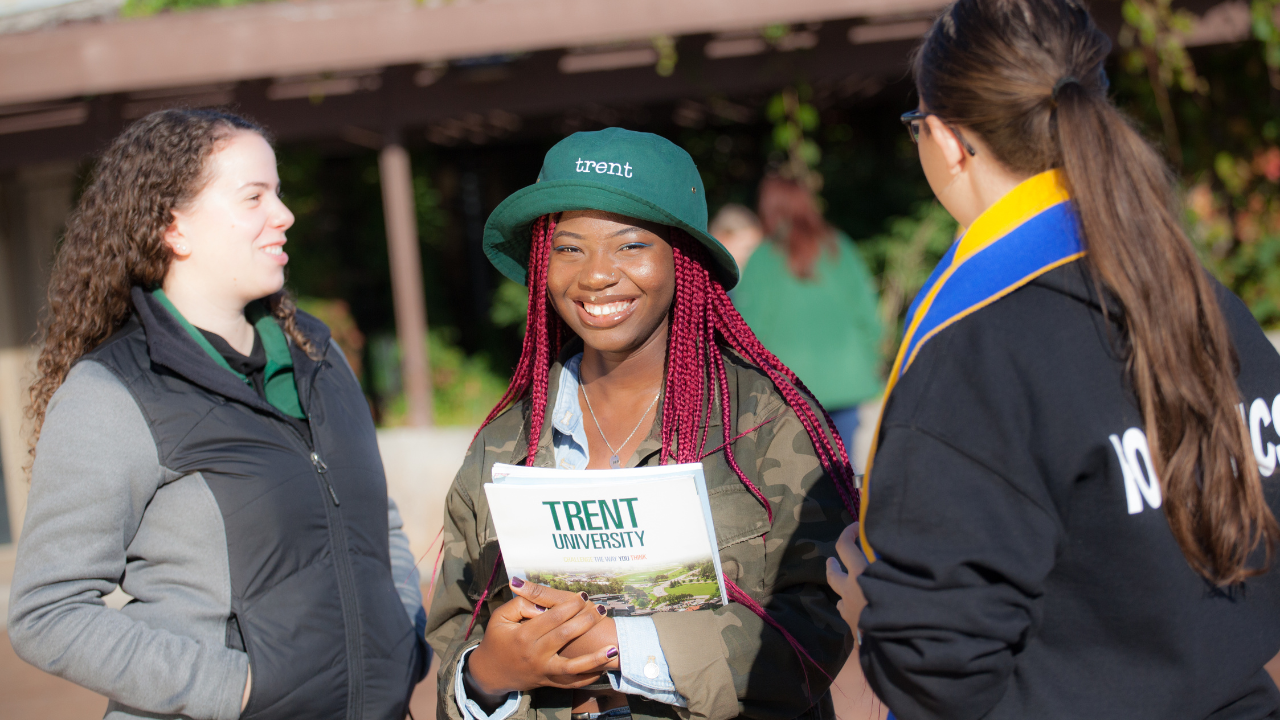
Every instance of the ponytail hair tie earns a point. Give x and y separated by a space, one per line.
1063 81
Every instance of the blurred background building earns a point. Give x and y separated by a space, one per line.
401 124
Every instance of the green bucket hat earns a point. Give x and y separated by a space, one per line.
639 175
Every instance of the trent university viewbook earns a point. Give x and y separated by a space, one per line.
637 540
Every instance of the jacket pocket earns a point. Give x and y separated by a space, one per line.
235 638
737 514
740 520
297 653
235 641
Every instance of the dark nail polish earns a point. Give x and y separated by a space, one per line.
584 595
612 653
540 608
517 582
600 609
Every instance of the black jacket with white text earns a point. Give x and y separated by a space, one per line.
1025 568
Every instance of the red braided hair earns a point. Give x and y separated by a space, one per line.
703 321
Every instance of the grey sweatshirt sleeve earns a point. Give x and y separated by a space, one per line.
95 471
404 570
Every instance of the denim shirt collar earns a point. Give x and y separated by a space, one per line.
565 425
569 436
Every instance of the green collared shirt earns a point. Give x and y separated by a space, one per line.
277 379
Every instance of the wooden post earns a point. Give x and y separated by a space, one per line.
406 278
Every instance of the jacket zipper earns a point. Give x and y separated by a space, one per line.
342 565
324 475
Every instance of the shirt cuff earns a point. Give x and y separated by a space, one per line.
469 708
644 667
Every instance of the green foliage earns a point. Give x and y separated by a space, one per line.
667 56
1262 16
1237 232
794 119
613 587
431 215
145 8
510 305
775 33
464 387
703 570
338 250
696 589
1154 32
689 592
902 258
1221 126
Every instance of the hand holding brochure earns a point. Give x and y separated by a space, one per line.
639 540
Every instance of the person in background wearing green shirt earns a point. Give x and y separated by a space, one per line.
810 299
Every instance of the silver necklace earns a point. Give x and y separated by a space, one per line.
614 462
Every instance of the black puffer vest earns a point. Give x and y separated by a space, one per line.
313 600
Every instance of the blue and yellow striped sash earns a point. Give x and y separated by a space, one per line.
1025 234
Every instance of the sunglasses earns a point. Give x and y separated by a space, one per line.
913 120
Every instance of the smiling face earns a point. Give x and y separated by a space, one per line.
229 241
611 278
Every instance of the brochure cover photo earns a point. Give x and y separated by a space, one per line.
638 540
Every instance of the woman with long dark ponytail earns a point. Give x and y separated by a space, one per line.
1067 513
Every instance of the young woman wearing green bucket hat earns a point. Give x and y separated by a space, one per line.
634 356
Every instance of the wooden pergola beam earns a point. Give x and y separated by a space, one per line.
287 38
532 88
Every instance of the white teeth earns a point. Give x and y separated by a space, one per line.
606 309
273 249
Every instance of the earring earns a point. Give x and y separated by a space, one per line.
181 249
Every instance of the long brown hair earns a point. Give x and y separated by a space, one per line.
791 217
115 239
1027 76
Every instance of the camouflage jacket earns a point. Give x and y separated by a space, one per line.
727 662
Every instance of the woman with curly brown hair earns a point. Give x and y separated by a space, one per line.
205 447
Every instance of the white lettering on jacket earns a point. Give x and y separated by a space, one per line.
1140 482
1259 415
603 168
